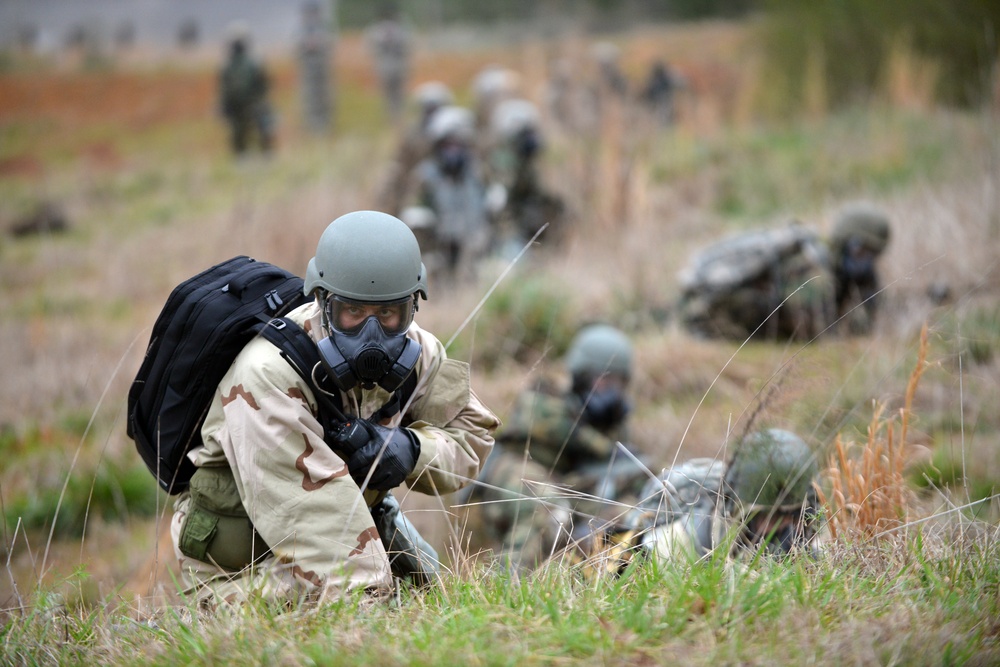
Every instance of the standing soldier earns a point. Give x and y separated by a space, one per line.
243 88
451 191
515 150
559 436
415 145
315 47
390 44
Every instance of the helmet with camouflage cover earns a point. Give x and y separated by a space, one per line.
863 222
772 469
451 122
367 256
600 348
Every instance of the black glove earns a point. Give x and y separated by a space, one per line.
397 462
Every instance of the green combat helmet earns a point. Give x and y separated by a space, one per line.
772 470
367 256
598 349
864 222
768 493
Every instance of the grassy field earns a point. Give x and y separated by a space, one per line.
137 159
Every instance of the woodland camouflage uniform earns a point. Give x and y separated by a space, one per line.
551 438
762 501
731 289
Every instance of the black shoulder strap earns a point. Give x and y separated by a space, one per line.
301 353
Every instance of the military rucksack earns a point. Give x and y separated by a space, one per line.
204 324
742 259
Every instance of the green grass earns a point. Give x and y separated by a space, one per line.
918 601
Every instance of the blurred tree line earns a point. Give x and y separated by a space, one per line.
603 14
846 44
849 44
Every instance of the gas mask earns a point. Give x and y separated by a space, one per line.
452 158
858 263
367 344
605 406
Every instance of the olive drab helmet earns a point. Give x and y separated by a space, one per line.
367 257
597 349
864 222
772 470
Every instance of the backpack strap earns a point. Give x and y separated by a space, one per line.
300 351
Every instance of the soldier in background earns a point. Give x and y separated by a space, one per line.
786 283
561 436
763 501
515 151
415 145
660 90
243 89
860 235
451 194
389 42
491 86
314 52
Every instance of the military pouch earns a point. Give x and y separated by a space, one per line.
217 528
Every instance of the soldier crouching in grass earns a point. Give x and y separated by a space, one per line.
282 508
788 283
763 502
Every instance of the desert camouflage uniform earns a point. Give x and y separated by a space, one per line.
297 491
544 443
732 287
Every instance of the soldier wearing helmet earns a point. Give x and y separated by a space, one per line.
243 91
513 155
787 283
763 499
450 191
318 503
860 235
561 436
415 146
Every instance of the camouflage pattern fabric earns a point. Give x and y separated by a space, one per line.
298 492
731 288
544 446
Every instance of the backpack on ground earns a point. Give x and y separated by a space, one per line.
204 324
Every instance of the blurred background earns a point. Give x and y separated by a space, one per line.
119 178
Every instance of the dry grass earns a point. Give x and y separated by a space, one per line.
869 495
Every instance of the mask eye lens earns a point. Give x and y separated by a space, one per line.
349 317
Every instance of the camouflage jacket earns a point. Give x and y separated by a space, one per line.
550 425
298 492
769 283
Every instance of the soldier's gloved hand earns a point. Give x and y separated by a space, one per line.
398 460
